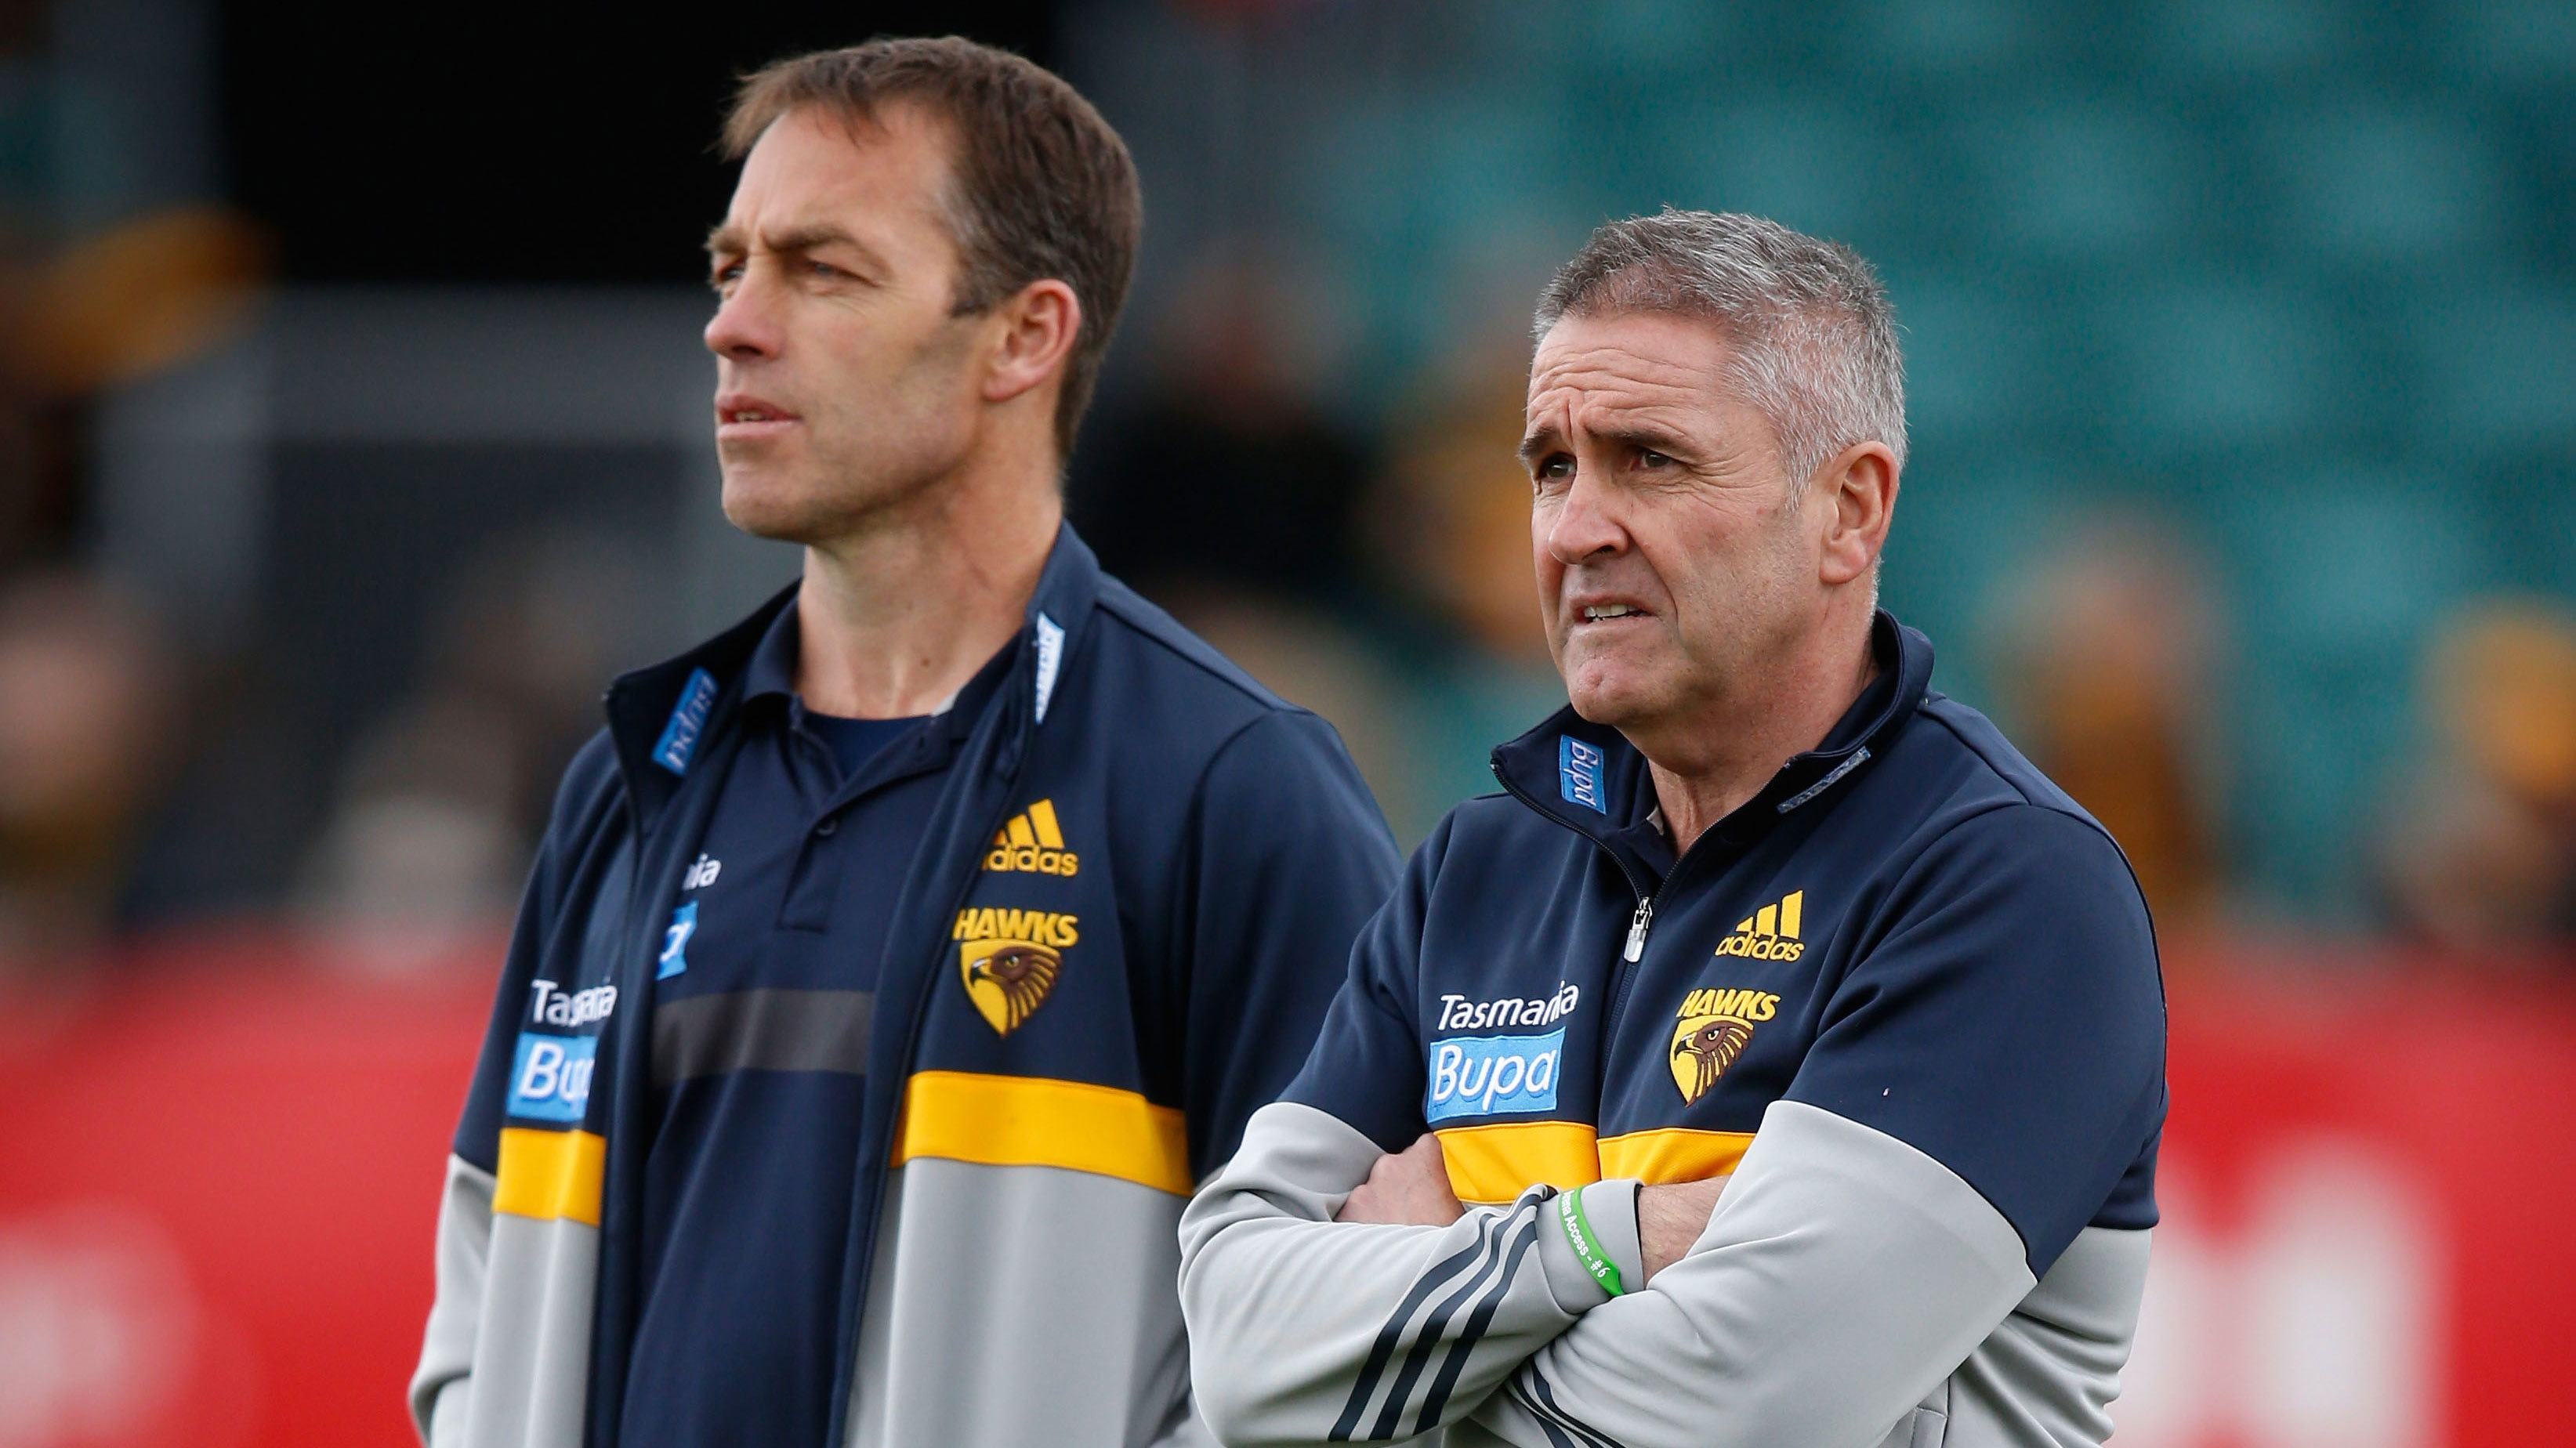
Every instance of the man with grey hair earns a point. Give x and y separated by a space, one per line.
1681 1094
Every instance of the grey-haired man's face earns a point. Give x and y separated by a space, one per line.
1672 562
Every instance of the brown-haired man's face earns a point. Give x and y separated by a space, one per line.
843 384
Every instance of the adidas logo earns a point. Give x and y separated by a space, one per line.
1770 933
1032 843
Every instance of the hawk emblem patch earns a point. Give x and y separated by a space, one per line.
1009 960
1008 979
1710 1030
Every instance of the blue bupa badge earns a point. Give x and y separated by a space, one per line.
1050 659
675 941
688 717
550 1076
1578 772
1484 1075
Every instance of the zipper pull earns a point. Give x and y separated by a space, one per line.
1637 924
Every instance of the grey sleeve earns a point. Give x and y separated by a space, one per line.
440 1385
1304 1329
1843 1276
1186 1430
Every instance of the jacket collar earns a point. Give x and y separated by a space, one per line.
1590 779
660 717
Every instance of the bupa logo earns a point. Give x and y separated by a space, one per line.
688 719
1578 773
1487 1075
550 1076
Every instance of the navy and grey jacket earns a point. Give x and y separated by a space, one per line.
1128 913
1907 996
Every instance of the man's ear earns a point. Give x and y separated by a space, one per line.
1860 486
1038 325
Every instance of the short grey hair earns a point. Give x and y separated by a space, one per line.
1808 322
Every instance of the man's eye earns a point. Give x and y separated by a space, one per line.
1553 469
1649 458
725 276
823 269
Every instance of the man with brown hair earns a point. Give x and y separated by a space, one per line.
898 961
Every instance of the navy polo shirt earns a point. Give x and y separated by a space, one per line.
760 1040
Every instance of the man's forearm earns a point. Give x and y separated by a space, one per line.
1843 1278
1304 1329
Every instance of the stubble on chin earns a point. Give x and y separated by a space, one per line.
766 502
1597 687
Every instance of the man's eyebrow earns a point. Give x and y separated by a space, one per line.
1646 437
729 240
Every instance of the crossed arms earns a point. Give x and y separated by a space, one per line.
1835 1286
1847 1271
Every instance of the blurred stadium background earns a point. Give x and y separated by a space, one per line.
353 433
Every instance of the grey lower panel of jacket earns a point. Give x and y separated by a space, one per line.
1010 1305
440 1388
506 1360
1013 1305
2048 1375
1305 1330
1849 1291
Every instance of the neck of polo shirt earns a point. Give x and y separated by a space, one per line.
760 1037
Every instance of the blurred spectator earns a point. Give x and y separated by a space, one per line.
1449 524
422 847
88 720
2105 676
1226 494
1227 474
1449 532
113 306
442 800
2481 849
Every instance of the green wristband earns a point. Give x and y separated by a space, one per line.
1578 1234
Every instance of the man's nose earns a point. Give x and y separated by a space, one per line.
1586 525
745 326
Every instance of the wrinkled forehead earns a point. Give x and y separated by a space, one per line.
1627 360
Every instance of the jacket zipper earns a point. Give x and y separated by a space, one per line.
848 1389
1634 949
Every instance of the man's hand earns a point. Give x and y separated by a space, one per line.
1670 1219
1408 1188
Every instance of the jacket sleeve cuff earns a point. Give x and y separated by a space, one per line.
1610 1210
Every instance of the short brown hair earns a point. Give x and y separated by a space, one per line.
1039 185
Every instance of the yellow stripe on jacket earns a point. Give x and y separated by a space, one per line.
550 1175
1674 1154
1489 1164
1033 1121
